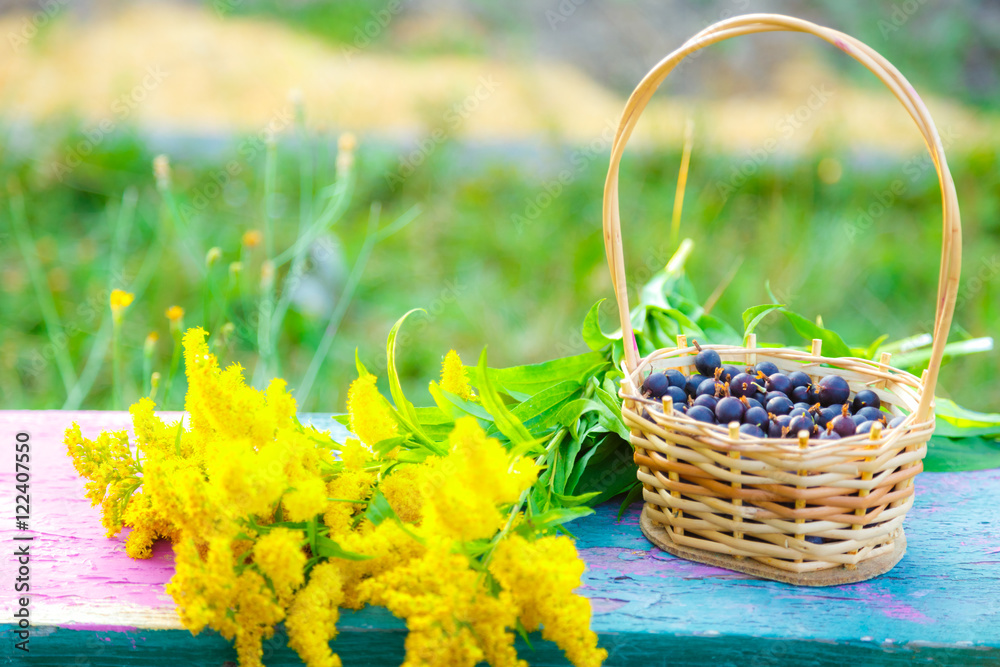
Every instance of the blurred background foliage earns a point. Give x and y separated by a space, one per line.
841 217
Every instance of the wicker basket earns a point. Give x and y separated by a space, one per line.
810 512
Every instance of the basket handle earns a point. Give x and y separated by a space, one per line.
951 251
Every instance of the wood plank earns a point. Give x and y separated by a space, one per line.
941 602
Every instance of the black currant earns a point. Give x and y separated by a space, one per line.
759 417
753 403
799 379
897 421
701 413
779 426
752 430
844 424
801 394
870 414
779 405
677 394
833 390
693 382
743 385
829 434
826 415
706 388
767 368
729 372
675 377
655 385
773 394
706 400
866 398
706 361
803 422
779 382
865 427
729 409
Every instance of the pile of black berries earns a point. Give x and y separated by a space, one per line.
766 402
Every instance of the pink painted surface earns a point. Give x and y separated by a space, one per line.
72 562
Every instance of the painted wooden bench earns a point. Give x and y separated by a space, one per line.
92 605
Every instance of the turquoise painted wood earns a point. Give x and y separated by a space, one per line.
91 604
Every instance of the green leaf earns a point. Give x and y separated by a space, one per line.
955 421
362 371
534 378
505 422
327 548
574 501
611 414
873 349
379 509
957 349
754 315
402 404
404 411
634 494
717 331
456 406
610 470
592 334
961 454
436 423
542 410
549 519
833 344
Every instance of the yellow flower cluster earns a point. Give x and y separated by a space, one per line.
454 378
260 510
541 577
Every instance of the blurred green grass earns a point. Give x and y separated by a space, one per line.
494 257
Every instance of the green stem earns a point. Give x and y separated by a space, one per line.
46 302
265 308
150 265
116 362
346 295
175 362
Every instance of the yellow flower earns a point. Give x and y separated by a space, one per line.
355 455
464 490
402 489
453 619
371 418
176 316
120 300
306 501
150 345
349 485
257 612
312 618
454 378
280 558
541 577
252 238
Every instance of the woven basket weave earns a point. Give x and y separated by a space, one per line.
810 512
